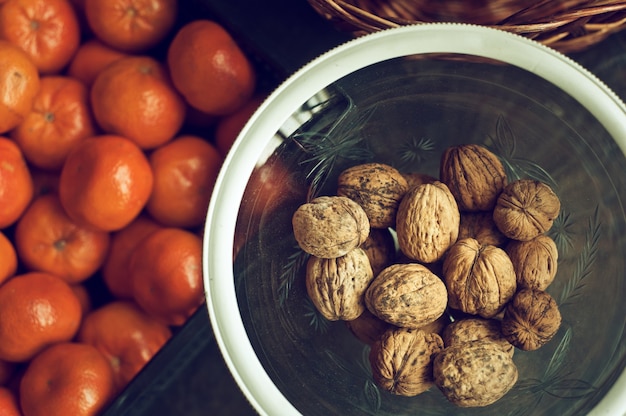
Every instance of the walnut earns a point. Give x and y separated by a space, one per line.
380 248
428 222
473 329
377 188
368 328
437 326
407 295
480 278
535 261
475 373
480 226
474 175
336 286
531 319
402 360
415 178
436 268
330 226
525 209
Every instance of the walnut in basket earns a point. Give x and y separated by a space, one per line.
475 373
480 226
402 360
525 209
535 261
474 329
330 226
377 188
427 223
474 175
531 319
480 278
437 326
368 328
380 248
417 178
407 295
336 286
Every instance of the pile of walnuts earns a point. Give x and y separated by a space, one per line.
443 278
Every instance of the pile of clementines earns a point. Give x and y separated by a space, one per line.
100 180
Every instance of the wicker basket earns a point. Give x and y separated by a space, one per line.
566 25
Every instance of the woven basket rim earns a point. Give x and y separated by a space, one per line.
565 25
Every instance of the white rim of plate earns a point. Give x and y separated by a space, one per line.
356 54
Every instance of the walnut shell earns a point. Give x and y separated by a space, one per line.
481 227
437 326
416 178
531 319
368 328
525 209
474 175
336 286
535 261
407 295
474 329
475 373
402 360
330 226
377 188
480 278
428 222
380 248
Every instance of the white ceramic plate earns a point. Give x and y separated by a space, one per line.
274 115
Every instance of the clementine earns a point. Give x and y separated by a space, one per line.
92 57
8 265
105 182
131 25
6 372
8 403
36 309
166 274
16 184
19 83
123 242
47 30
68 378
83 296
185 171
127 336
145 106
229 127
47 240
79 8
209 69
60 117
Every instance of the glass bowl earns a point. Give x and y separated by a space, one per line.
401 97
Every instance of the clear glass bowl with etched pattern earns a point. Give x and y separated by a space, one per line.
401 97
